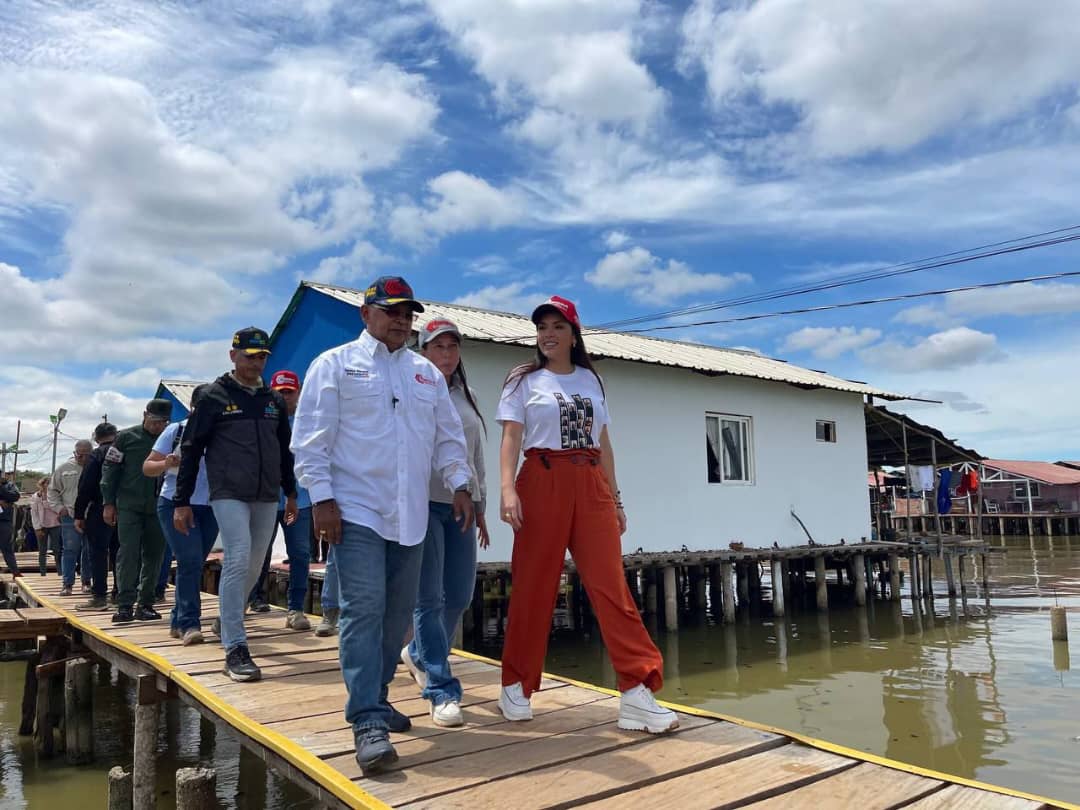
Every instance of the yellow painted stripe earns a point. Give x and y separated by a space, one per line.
296 755
813 742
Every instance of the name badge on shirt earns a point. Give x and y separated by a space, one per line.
114 455
357 373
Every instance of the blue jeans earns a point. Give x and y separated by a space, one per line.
329 599
73 546
378 582
246 530
190 551
447 580
298 547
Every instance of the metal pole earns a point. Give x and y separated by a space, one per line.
937 511
55 430
907 476
980 498
15 461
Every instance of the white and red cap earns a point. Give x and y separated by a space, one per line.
561 305
285 381
435 327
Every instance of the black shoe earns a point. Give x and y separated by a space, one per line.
159 597
374 752
398 722
123 615
146 613
259 606
239 666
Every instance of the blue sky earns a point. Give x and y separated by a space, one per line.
169 173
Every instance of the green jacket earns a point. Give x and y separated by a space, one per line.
122 481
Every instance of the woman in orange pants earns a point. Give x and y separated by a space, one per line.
566 498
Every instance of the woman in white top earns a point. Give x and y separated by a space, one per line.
566 498
448 571
46 525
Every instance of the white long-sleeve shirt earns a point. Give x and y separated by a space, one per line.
369 428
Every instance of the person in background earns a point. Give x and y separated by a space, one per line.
242 429
190 551
9 496
62 491
297 534
448 570
566 498
130 504
329 602
374 420
97 535
46 524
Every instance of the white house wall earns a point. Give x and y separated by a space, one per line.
658 431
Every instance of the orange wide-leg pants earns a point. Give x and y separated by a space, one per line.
566 503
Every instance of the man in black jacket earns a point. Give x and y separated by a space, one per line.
89 522
242 427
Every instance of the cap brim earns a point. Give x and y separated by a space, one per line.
389 302
289 387
255 351
543 308
427 337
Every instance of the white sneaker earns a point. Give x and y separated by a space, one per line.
418 674
513 703
639 711
447 714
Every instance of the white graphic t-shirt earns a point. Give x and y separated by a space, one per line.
559 411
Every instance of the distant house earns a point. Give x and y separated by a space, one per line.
712 445
1030 487
178 392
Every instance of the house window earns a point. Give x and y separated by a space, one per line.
826 431
728 451
1020 490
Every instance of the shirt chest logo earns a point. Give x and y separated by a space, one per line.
420 378
271 411
232 409
357 373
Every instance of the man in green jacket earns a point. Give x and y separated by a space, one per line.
130 504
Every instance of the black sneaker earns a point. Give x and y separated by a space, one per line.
398 722
259 606
146 613
239 666
123 615
374 752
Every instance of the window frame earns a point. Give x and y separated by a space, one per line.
747 432
1020 490
832 425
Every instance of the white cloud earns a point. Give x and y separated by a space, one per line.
950 349
649 280
359 264
1019 300
923 315
616 240
885 75
457 202
518 297
829 342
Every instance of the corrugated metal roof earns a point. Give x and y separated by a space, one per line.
1042 471
504 327
182 390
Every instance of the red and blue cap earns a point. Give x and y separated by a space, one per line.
560 305
387 291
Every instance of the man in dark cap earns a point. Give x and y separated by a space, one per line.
129 501
89 521
242 428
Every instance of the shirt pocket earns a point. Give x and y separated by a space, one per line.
363 401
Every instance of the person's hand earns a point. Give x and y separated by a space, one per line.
80 526
108 514
183 519
63 512
482 530
327 520
620 513
463 510
171 461
291 512
510 509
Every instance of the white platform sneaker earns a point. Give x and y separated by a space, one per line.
639 711
447 715
513 703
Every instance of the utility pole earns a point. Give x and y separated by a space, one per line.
56 419
15 461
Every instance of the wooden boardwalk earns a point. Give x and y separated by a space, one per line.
571 754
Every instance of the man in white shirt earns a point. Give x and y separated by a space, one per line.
374 420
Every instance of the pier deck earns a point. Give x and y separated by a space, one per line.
571 754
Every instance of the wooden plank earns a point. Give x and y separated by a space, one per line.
513 748
866 786
655 759
957 797
734 783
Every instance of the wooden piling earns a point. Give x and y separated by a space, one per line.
1059 628
196 788
777 588
120 792
894 577
742 580
144 767
928 577
650 591
671 600
913 571
985 576
860 580
698 583
950 578
963 577
821 586
728 593
79 711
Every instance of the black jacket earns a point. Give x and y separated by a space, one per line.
88 499
245 437
9 496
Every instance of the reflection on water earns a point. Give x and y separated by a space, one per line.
972 688
185 740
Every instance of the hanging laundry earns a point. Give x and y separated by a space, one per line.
969 483
924 478
944 498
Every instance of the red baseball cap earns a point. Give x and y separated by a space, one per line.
562 306
435 327
285 380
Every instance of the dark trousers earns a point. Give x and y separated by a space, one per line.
6 548
101 538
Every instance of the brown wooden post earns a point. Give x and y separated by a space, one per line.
196 788
742 583
963 577
79 711
651 599
821 586
860 580
950 579
144 766
671 600
777 588
894 577
728 594
120 796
